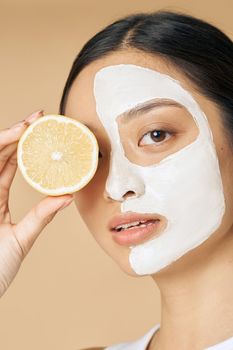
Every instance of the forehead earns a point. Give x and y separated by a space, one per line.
81 98
81 102
119 88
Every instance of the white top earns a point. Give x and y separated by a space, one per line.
142 342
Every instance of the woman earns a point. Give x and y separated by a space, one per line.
156 89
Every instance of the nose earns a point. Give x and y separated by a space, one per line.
122 181
129 194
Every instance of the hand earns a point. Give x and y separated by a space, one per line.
17 239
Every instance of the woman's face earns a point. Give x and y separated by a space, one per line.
164 167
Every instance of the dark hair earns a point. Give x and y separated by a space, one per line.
199 49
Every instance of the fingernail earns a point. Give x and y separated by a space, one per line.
66 203
33 116
28 120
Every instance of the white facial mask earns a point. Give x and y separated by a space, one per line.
185 186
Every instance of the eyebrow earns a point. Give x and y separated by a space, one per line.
143 108
147 107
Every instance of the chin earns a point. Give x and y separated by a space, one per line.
167 270
125 266
129 271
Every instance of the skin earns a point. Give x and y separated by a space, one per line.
16 239
198 285
196 290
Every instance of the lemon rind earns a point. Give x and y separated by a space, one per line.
65 189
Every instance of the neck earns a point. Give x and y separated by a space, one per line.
196 302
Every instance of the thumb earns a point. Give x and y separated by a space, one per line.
29 228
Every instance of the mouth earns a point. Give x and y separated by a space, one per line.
134 228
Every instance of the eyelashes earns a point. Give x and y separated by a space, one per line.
155 136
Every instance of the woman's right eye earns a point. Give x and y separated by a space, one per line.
100 155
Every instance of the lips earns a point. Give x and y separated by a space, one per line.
130 217
132 228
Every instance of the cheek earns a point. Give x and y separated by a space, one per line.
225 159
90 200
82 201
226 167
153 153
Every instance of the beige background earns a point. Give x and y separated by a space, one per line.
68 294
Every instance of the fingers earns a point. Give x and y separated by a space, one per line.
8 150
29 228
6 179
12 134
8 173
5 153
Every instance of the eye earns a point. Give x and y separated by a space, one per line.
100 155
154 136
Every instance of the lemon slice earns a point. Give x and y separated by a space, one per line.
57 155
